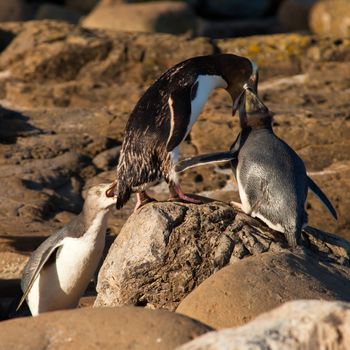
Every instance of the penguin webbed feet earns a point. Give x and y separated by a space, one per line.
176 194
142 199
185 198
236 205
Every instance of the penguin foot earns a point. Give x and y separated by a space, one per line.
176 194
236 205
184 198
142 199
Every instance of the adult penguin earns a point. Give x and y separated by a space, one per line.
164 116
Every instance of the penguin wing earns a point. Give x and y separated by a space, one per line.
204 159
36 265
180 115
322 197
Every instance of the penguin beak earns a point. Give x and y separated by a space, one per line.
252 83
237 101
110 191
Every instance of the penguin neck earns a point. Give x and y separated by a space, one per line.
255 122
201 90
95 223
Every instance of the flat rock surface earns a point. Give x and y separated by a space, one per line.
331 18
302 324
100 328
239 292
66 93
166 250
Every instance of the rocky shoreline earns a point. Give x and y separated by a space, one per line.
66 93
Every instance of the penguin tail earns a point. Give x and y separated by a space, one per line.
122 198
292 238
322 197
203 159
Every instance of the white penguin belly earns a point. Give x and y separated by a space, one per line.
76 264
246 207
61 284
276 227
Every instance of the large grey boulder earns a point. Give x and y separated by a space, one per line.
165 250
307 325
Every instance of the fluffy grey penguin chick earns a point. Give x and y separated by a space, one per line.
60 269
271 177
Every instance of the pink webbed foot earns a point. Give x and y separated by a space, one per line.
142 199
236 205
177 194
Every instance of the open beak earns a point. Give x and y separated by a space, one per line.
110 191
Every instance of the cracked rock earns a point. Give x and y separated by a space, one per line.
166 250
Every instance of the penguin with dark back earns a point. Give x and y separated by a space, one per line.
271 177
164 116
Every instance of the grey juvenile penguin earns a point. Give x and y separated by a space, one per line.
164 116
271 177
60 269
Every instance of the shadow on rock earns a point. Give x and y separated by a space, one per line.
14 124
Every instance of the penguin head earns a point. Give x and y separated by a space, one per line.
252 111
96 197
238 71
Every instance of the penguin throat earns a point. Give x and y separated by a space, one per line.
256 122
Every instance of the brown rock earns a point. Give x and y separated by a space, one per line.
278 54
331 18
107 159
240 292
104 328
236 28
11 267
84 6
39 50
51 11
238 9
294 14
303 324
15 10
67 89
157 16
165 250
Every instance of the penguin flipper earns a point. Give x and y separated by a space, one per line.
322 197
44 259
180 113
204 159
